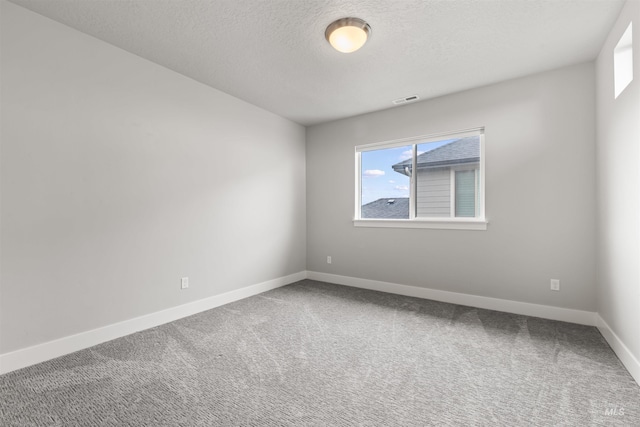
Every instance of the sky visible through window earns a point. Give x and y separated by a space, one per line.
379 180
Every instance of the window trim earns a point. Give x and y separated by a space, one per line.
443 223
439 224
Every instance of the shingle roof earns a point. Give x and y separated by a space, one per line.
463 150
386 208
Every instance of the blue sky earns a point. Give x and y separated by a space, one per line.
379 180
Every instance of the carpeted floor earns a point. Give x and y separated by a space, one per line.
315 354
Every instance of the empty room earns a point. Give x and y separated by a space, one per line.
319 213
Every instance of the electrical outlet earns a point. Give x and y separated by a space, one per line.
184 283
555 284
329 259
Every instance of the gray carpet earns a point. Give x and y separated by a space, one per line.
315 354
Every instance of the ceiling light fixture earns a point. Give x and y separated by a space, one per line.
347 35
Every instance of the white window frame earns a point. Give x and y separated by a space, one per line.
448 223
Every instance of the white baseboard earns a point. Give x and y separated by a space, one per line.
622 351
547 312
527 309
52 349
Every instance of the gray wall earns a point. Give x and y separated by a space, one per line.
618 155
119 177
540 194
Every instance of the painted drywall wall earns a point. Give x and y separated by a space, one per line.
119 177
540 194
618 183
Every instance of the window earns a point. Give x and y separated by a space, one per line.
466 193
623 61
446 190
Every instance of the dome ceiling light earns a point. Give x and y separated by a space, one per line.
347 35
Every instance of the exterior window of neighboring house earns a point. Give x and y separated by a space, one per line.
466 193
446 190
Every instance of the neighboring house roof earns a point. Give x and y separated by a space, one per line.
386 208
460 151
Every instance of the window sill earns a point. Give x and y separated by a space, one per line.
438 224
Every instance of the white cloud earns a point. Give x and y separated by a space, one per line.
391 181
407 154
402 187
373 173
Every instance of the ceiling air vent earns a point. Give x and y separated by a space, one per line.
411 98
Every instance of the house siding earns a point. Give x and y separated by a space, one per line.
433 187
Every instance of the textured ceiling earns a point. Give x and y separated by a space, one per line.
272 53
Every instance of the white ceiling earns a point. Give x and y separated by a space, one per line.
272 53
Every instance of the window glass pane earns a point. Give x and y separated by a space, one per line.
384 184
466 193
623 61
436 165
